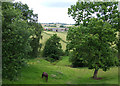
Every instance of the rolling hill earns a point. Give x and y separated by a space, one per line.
47 34
60 73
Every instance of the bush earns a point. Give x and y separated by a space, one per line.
66 52
52 48
77 62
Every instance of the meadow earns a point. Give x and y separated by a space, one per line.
20 24
62 73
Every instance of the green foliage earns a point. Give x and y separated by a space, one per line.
15 41
32 20
83 11
76 61
52 48
61 26
20 37
26 12
118 44
94 45
35 43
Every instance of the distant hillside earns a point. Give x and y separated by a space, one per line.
47 34
56 25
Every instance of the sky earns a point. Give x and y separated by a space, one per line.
51 11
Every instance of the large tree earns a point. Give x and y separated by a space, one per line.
83 11
15 41
94 44
32 21
19 27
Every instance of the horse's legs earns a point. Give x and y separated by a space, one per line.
42 75
46 79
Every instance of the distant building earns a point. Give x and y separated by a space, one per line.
56 29
56 25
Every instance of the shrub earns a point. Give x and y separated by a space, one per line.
52 48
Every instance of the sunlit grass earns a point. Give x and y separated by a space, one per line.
47 34
64 74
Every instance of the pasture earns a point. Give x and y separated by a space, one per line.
92 40
61 73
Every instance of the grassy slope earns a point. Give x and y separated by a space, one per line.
64 74
46 35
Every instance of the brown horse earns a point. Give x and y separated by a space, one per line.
44 74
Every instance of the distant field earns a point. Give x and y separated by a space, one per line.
62 74
47 34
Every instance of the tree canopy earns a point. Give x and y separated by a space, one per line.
94 45
32 21
17 28
94 40
83 11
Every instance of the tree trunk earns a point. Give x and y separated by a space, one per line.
95 73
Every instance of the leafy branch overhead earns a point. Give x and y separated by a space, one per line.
82 12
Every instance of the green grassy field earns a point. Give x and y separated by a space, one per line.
47 34
61 73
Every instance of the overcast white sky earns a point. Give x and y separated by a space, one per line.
51 11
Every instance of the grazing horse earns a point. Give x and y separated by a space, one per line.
44 74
